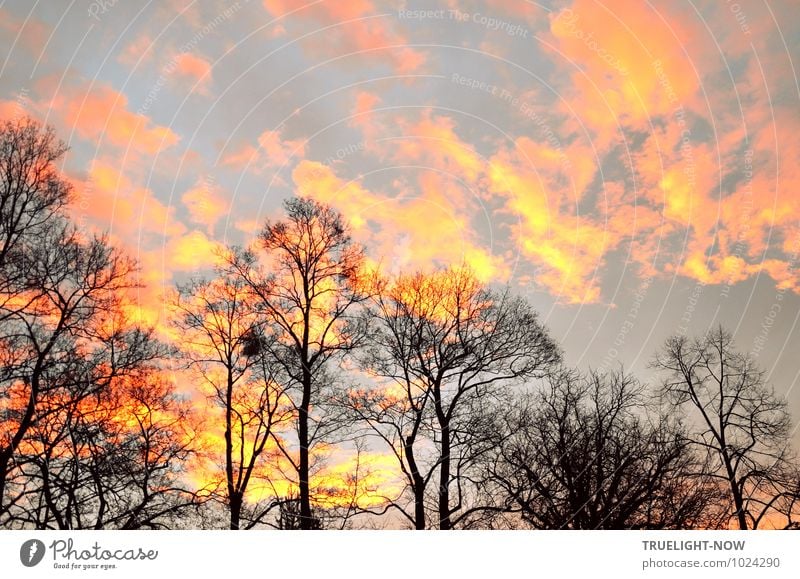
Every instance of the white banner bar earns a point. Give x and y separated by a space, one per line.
400 554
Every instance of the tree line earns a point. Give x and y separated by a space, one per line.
296 350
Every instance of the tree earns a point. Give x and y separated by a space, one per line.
446 346
114 460
586 453
66 350
223 338
306 291
32 198
738 423
71 286
32 194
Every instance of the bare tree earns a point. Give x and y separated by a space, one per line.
588 453
738 423
32 198
446 346
115 459
32 195
65 351
72 285
306 292
223 338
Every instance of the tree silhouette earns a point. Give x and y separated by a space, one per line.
72 285
306 293
32 199
113 460
32 195
587 453
223 340
739 424
65 348
447 346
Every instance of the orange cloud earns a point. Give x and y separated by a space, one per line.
194 68
729 208
432 141
359 31
272 151
364 119
704 206
629 55
277 151
12 109
141 49
365 102
205 204
567 248
393 228
31 33
113 202
540 185
100 113
755 220
191 251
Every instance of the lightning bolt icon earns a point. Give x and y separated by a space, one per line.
32 552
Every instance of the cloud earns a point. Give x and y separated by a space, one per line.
139 224
532 190
205 204
193 250
365 119
365 102
31 33
13 109
706 132
193 68
655 144
566 247
272 151
140 50
631 57
392 228
432 141
113 202
99 113
360 29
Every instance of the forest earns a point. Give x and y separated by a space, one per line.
294 385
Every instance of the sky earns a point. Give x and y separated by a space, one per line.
631 167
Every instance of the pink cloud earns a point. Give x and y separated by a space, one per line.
32 32
272 151
100 113
360 31
141 49
193 68
205 204
113 202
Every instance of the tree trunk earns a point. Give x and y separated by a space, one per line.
236 510
24 425
305 494
419 486
234 499
443 419
444 479
738 501
4 460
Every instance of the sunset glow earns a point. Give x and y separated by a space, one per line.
630 169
